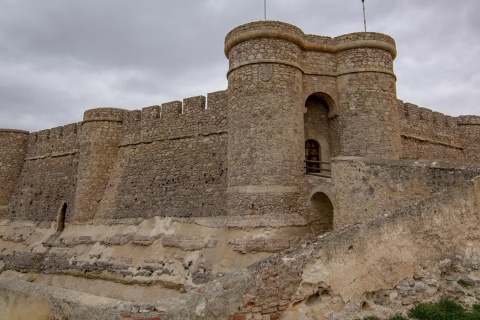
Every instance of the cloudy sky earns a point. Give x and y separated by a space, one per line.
59 58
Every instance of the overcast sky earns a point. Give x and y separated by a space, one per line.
59 58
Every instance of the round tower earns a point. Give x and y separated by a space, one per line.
367 101
13 148
265 117
100 136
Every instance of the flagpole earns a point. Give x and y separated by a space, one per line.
364 16
265 8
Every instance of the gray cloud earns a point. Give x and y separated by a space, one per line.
61 57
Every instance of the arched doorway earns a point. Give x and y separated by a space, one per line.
322 209
317 126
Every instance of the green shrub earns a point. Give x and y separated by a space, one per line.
464 283
394 318
443 310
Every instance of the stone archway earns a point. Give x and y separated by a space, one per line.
322 209
317 124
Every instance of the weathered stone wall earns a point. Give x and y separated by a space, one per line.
429 135
170 163
13 147
265 133
469 126
365 188
367 99
49 175
101 134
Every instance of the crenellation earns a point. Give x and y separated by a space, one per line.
43 135
150 114
468 120
194 106
71 129
469 127
217 101
430 135
171 110
410 110
438 119
450 121
425 114
56 133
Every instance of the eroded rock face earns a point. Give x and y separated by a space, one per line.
430 282
165 256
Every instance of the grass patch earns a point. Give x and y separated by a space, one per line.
464 284
442 310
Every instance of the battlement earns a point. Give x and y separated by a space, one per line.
176 119
468 120
429 134
9 131
413 113
54 141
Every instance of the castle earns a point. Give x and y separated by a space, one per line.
308 148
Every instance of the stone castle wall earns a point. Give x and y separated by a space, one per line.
470 131
171 163
427 134
239 151
13 147
49 174
367 188
157 161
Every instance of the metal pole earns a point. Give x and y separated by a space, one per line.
265 8
364 16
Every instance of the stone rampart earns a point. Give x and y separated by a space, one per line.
176 120
13 147
366 188
469 126
171 163
48 177
429 135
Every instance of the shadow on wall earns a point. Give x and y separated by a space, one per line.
323 208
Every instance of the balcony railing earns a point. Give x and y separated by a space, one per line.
318 168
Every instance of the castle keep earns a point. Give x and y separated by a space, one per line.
163 202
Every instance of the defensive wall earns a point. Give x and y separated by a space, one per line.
178 199
427 134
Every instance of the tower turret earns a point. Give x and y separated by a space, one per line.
100 136
265 119
367 99
295 97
